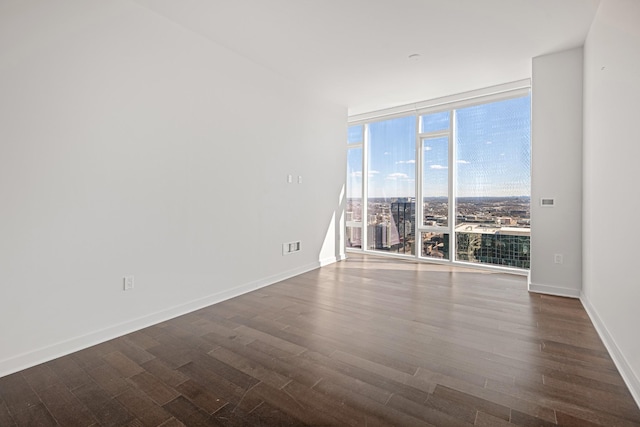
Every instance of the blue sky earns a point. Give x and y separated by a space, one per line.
493 153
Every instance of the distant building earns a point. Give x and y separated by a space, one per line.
507 246
506 220
354 237
435 245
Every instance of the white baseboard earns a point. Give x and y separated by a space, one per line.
45 354
628 375
332 260
554 290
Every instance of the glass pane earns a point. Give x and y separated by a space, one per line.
493 159
493 245
355 134
391 186
353 236
435 122
435 181
435 245
353 211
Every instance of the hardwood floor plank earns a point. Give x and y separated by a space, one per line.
478 404
619 407
343 413
65 408
567 420
172 422
201 397
525 420
270 339
532 408
456 409
367 341
189 414
130 349
486 420
145 409
362 401
270 358
430 415
142 339
36 415
375 379
268 415
214 382
300 411
5 416
387 372
41 377
249 367
91 357
17 394
109 379
125 366
70 372
154 388
235 376
164 373
107 411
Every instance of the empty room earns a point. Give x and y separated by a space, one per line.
209 213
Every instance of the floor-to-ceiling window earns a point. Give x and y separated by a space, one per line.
434 155
391 173
493 180
448 182
354 208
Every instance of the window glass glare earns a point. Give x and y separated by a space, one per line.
435 181
353 210
391 186
493 185
355 134
354 176
435 122
493 149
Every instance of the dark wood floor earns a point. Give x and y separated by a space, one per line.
368 341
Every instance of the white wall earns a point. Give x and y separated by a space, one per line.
556 128
130 146
611 290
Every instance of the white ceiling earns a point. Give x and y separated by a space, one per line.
355 52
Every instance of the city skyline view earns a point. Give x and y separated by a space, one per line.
480 154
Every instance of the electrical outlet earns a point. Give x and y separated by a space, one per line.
289 248
557 258
128 283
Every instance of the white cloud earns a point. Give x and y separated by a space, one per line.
427 148
438 167
386 153
463 162
489 142
397 175
372 172
405 162
356 174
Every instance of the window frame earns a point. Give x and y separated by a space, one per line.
484 96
